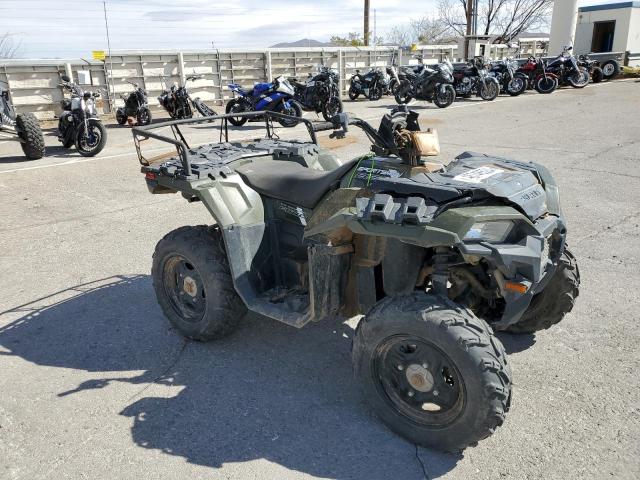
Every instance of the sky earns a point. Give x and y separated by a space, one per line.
73 28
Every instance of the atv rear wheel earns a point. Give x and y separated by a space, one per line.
193 283
30 133
556 300
432 371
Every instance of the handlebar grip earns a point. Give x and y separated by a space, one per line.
323 126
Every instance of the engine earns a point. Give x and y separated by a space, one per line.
463 87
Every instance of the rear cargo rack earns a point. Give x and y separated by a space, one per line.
146 132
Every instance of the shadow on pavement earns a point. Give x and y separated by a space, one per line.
267 392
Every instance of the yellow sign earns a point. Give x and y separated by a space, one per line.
414 47
98 54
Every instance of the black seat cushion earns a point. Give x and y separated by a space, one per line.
290 181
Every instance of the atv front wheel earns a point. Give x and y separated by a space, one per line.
30 133
556 300
193 283
432 371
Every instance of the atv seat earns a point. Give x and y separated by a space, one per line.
290 181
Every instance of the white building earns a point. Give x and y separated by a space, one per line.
614 27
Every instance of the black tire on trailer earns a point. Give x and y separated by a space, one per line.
193 284
596 75
203 109
557 299
30 133
432 371
610 69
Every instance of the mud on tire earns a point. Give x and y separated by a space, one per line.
471 355
193 283
29 130
556 300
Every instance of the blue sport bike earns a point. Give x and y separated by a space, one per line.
276 97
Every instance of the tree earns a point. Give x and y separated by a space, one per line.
423 30
8 47
505 19
353 39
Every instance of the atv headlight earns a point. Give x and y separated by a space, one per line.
496 232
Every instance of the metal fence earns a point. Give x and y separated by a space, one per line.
33 84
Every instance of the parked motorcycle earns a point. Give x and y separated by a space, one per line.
320 94
593 67
565 67
177 101
538 77
135 105
431 84
79 123
277 96
371 85
474 77
506 72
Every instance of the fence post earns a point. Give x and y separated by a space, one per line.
342 73
267 55
183 79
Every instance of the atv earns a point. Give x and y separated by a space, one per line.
21 127
435 257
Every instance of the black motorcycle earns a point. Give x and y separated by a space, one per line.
135 105
371 85
474 77
433 84
565 67
177 101
511 81
320 93
79 123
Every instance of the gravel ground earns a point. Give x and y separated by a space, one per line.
96 385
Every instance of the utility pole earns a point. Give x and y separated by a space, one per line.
469 15
366 23
113 88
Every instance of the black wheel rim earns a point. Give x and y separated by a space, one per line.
419 380
144 117
184 288
444 97
516 84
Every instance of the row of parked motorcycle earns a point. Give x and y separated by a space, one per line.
442 83
79 125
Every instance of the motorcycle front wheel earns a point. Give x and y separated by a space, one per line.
443 99
144 116
331 107
294 109
517 85
375 93
92 142
353 93
489 90
546 85
579 79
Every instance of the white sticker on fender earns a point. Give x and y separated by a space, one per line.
477 175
